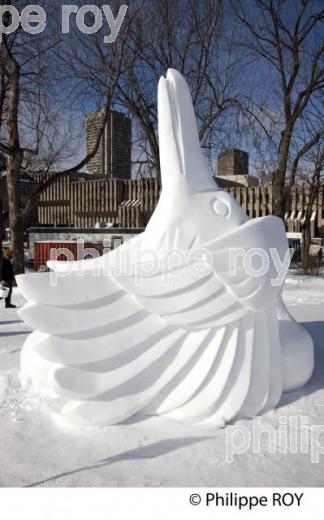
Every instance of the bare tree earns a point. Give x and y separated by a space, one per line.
20 69
3 213
194 37
30 94
2 227
13 151
311 174
286 39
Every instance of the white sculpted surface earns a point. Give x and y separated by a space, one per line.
175 321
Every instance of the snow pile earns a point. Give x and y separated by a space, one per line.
18 396
304 290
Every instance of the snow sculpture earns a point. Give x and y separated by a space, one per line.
192 335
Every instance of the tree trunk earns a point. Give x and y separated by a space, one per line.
14 162
279 178
278 193
313 193
16 219
1 233
306 244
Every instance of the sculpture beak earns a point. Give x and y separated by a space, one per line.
181 157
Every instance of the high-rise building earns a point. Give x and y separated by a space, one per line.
113 157
233 169
233 162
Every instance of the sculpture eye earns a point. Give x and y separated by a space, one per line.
220 208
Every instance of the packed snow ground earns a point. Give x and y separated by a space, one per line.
36 449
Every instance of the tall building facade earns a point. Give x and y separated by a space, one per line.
113 157
233 162
233 169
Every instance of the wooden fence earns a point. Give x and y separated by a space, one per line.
130 203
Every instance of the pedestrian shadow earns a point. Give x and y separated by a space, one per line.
151 451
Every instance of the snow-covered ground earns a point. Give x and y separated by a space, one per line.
36 449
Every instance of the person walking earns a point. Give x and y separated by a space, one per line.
7 275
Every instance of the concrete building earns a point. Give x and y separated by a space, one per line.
113 158
233 169
129 204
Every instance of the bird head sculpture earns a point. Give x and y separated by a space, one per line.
192 208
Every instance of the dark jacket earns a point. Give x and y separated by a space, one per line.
7 273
